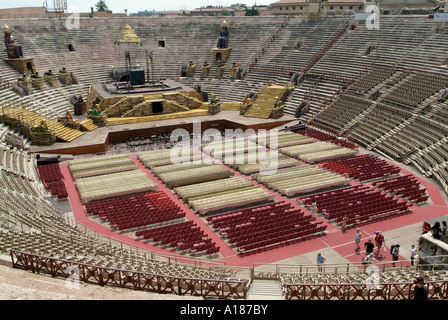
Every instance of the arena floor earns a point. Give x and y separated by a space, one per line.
336 246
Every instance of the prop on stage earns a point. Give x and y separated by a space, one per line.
222 52
15 54
42 135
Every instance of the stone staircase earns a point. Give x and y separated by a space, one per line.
32 119
265 290
87 125
137 109
262 106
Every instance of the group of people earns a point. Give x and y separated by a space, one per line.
380 242
438 230
420 289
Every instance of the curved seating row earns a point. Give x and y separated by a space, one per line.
276 139
265 227
361 167
318 151
104 165
406 187
301 179
185 236
53 180
113 185
321 136
359 204
162 157
136 210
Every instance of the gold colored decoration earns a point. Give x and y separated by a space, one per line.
128 35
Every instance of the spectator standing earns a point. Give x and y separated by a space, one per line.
420 290
436 230
426 227
413 254
320 262
395 253
344 224
314 209
443 234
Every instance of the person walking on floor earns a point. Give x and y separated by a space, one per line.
395 253
379 241
357 240
369 246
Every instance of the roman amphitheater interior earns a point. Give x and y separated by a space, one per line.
337 114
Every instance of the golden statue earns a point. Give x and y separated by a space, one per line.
14 50
43 127
278 103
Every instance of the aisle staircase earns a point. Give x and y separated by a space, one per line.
87 125
263 104
32 119
265 290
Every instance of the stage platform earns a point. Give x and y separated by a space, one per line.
110 90
97 141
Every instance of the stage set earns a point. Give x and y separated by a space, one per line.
135 104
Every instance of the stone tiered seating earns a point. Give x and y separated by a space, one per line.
430 158
379 121
418 134
415 89
352 285
44 231
373 77
341 112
